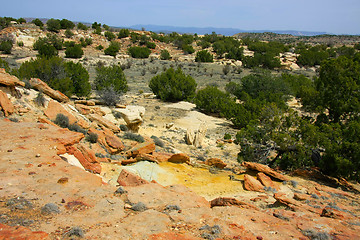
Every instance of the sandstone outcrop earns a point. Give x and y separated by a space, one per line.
5 104
20 232
265 169
141 148
216 162
43 87
133 116
179 158
196 137
54 108
9 80
127 178
104 122
251 184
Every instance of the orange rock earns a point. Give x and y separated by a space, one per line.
128 161
9 80
47 121
251 184
216 162
179 158
141 148
6 104
161 157
332 213
86 157
127 178
146 157
102 121
227 201
82 123
83 109
265 169
301 196
114 142
66 137
266 180
85 102
20 232
43 87
54 108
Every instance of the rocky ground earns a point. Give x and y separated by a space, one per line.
180 181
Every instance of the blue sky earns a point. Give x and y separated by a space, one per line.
332 16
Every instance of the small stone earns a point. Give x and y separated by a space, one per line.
172 207
120 190
127 206
75 232
37 155
139 207
50 208
63 180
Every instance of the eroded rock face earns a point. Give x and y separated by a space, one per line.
5 104
141 148
196 137
127 178
216 162
266 181
43 87
133 116
265 169
9 80
54 108
104 122
251 184
179 158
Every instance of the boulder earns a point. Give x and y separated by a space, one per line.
54 108
196 137
133 116
179 158
86 157
216 162
266 181
108 140
9 80
20 232
265 169
5 104
43 87
104 122
141 148
127 178
161 157
114 142
251 184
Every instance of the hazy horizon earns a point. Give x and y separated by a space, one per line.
316 16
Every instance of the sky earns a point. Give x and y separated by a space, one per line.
331 16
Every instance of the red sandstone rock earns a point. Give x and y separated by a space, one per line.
161 157
6 104
226 201
86 157
47 121
43 87
54 108
102 121
251 184
9 80
85 102
265 169
216 162
114 142
127 178
129 161
266 181
146 157
21 233
140 148
332 213
106 137
66 137
179 158
301 196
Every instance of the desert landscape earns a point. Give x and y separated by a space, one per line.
136 166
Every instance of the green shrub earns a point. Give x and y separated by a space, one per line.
150 45
74 52
92 137
62 120
203 56
113 49
38 22
123 33
21 20
6 46
82 26
4 64
53 25
165 55
109 35
69 78
112 76
134 137
100 47
227 136
47 50
173 85
50 39
139 52
20 43
188 49
68 33
213 100
66 24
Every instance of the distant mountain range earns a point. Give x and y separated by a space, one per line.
223 31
